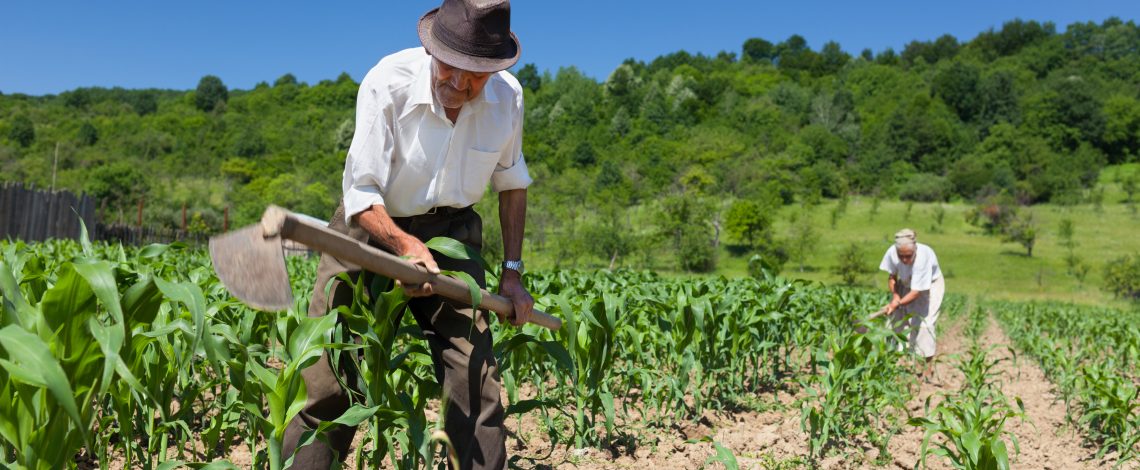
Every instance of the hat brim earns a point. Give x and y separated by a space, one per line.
460 60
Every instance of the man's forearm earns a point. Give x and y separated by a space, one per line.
512 218
383 229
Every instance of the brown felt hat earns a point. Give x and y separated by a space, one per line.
473 35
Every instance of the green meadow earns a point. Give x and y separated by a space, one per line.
974 263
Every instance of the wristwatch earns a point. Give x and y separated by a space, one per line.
514 265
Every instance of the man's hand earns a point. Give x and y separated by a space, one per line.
510 286
417 253
383 230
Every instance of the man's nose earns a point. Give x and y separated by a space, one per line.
457 81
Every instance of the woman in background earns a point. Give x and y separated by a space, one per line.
917 288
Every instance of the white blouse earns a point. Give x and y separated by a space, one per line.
918 276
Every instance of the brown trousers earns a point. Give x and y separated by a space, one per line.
464 363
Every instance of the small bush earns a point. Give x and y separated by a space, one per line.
1122 277
850 265
925 187
696 252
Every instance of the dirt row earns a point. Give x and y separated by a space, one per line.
774 439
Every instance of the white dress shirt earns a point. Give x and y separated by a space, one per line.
406 154
918 276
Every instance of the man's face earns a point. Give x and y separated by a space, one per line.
454 87
906 255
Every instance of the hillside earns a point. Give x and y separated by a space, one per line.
1028 112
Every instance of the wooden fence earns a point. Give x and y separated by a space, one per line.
31 214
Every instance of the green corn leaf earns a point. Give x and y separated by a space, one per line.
218 465
142 301
560 355
30 360
351 417
725 457
308 340
110 339
190 295
472 286
297 395
153 250
1001 457
101 277
267 378
455 249
70 298
11 295
607 400
526 406
84 240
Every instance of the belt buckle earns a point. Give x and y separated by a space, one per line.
432 211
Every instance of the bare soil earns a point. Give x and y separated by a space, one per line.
773 439
1047 442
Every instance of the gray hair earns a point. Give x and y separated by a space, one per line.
905 237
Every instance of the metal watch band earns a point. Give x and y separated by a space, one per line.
513 265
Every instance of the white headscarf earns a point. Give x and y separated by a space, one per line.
905 237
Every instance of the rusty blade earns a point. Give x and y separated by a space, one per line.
252 267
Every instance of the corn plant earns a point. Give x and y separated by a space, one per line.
972 421
862 383
1111 410
973 428
1088 353
166 369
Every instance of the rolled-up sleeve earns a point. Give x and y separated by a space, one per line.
511 171
369 160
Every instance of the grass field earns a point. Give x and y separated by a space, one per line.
975 263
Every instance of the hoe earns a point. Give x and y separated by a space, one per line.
251 264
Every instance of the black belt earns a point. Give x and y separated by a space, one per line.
442 212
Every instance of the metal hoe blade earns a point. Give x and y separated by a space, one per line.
252 267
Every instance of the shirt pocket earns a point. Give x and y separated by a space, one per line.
477 169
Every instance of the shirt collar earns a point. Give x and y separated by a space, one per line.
421 88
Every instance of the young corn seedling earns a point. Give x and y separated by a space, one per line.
972 422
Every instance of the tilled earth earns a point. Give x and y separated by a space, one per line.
774 440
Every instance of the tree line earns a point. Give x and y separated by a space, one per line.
679 152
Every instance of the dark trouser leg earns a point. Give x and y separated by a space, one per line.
461 351
466 368
327 400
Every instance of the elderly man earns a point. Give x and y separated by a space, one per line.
917 288
434 126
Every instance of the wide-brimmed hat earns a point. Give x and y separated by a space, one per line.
473 35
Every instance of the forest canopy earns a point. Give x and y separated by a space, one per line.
1023 110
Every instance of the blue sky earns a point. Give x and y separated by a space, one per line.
51 46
